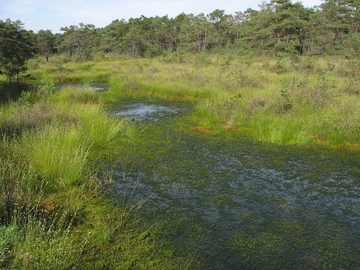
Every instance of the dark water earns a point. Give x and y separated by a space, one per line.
98 86
242 205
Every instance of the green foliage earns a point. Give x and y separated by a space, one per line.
48 147
276 28
279 89
54 212
45 43
78 39
285 102
15 48
59 63
26 98
8 237
47 87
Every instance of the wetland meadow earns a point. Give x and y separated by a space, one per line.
198 161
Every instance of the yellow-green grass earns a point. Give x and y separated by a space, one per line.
279 100
54 211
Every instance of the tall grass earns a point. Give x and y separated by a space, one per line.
45 243
62 70
54 212
58 155
285 100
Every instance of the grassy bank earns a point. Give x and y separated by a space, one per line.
285 100
55 210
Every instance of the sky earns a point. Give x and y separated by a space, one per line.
54 14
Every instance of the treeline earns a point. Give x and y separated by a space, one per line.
278 26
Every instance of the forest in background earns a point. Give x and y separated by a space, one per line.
280 75
278 27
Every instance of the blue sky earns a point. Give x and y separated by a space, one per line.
54 14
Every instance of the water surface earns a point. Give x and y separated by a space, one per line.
98 86
243 205
145 111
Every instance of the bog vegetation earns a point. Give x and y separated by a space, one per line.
278 74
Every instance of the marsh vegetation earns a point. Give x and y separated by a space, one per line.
253 162
222 141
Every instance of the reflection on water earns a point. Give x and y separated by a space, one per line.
148 112
98 86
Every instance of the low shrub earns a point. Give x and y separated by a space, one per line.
33 117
